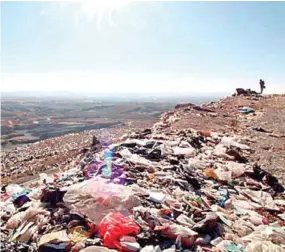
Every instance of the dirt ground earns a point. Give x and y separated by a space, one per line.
269 146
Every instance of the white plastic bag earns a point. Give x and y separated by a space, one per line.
262 198
96 198
14 189
263 246
21 217
267 233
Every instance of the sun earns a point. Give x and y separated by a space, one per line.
101 9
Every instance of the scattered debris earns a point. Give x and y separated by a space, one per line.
154 190
141 200
246 92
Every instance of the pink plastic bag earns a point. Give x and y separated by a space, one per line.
115 225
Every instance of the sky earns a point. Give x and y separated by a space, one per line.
121 46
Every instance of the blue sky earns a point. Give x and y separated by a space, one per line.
155 47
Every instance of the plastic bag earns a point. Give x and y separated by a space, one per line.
21 217
7 207
230 141
187 152
54 237
44 178
129 244
96 198
97 249
263 246
114 226
262 198
246 110
79 234
106 170
13 189
206 225
222 175
205 133
210 172
187 235
237 169
266 233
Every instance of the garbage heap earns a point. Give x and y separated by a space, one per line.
245 92
183 190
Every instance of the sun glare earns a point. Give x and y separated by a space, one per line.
101 9
103 4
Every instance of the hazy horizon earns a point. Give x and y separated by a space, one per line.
197 98
75 93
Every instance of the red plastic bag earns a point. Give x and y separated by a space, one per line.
115 225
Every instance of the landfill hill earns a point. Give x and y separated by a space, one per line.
223 116
203 178
263 130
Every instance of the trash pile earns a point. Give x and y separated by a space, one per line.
230 114
52 153
245 92
182 190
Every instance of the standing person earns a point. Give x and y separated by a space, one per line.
262 85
